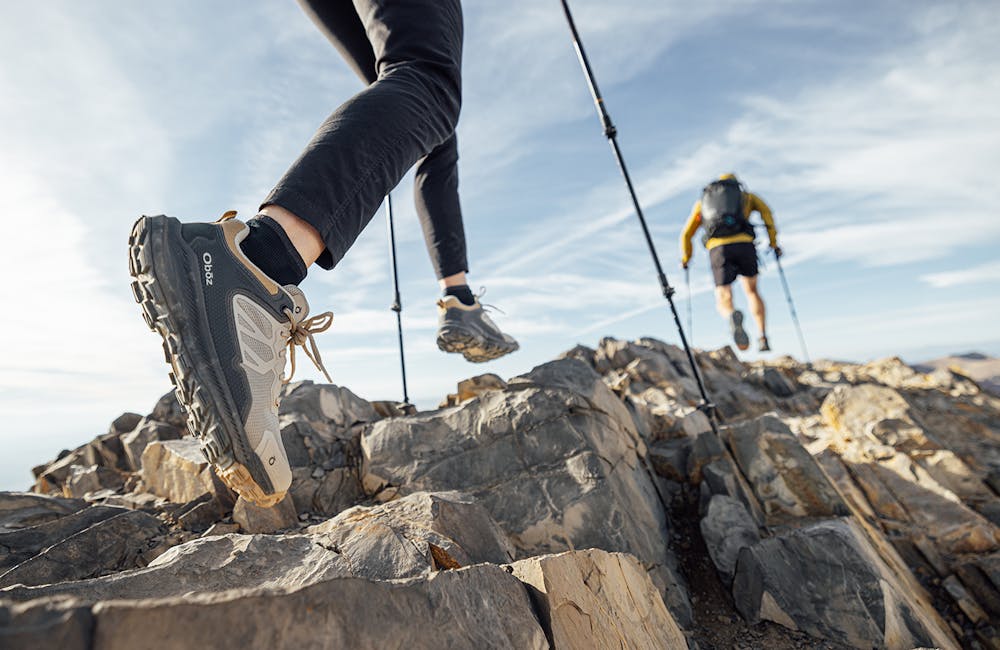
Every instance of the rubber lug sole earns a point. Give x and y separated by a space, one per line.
202 419
472 348
739 334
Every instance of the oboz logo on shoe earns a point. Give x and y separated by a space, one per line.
207 259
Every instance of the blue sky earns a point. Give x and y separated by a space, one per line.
871 129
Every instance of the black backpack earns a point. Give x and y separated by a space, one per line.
722 209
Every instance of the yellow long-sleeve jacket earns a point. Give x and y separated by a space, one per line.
751 203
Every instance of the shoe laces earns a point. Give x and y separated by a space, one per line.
301 334
486 305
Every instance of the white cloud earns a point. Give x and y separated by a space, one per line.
883 164
981 273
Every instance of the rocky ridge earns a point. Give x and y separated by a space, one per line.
587 503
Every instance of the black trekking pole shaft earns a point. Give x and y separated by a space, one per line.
397 303
791 307
687 283
611 133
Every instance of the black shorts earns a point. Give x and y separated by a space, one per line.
731 260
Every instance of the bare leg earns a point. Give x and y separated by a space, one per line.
724 300
304 237
756 303
453 280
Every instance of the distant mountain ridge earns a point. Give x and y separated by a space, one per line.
984 369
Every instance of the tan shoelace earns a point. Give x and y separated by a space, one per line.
301 334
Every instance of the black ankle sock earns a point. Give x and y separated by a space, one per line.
463 293
272 251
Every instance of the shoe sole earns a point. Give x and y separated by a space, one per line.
190 374
739 334
471 347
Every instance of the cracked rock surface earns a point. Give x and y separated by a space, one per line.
587 503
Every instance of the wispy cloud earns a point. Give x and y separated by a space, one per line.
879 160
867 167
981 273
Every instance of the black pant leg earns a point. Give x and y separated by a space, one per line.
339 22
435 189
365 147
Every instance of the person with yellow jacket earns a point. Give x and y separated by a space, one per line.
724 212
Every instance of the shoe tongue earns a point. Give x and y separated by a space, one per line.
300 307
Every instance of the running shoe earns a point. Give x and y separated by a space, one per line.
468 329
739 334
225 327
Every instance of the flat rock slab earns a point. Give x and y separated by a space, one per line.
594 599
45 624
407 538
24 509
477 607
208 564
19 545
109 545
829 581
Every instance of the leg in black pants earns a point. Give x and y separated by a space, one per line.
224 297
378 39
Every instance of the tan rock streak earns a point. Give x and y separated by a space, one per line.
595 599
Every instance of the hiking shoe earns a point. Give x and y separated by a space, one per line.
764 345
225 327
469 330
739 334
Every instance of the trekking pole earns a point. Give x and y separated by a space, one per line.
612 135
397 303
687 281
791 306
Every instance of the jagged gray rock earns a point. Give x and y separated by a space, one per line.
555 458
786 480
135 441
669 458
254 519
727 528
827 579
560 456
449 528
326 492
86 480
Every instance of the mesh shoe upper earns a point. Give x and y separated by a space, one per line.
234 324
469 329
